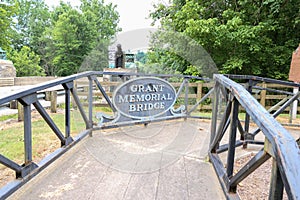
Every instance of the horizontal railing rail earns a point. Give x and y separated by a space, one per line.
278 145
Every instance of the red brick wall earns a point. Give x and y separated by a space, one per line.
294 74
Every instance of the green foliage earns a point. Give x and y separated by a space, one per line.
242 37
26 62
166 62
141 57
79 37
67 42
63 37
32 18
97 58
7 11
101 19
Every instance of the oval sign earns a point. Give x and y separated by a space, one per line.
144 97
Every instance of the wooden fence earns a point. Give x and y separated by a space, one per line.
196 91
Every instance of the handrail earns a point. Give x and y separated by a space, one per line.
43 86
262 79
284 148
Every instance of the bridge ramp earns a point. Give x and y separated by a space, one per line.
165 160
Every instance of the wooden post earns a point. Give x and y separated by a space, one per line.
48 96
53 106
13 104
276 185
20 112
74 105
263 95
295 104
199 93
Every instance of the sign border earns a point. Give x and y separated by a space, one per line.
143 78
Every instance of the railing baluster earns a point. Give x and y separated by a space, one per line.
67 87
80 107
186 97
214 114
247 117
222 128
90 99
104 94
49 121
29 165
276 185
232 137
27 134
26 103
68 114
249 167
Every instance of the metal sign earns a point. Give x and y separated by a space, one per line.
144 97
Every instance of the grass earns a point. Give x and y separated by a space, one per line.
43 138
7 117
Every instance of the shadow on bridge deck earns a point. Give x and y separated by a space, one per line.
164 160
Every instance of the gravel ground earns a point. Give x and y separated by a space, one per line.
256 185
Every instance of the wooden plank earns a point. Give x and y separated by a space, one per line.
199 91
263 96
112 186
7 82
209 85
21 81
274 85
191 96
142 186
95 93
275 97
20 112
172 182
201 180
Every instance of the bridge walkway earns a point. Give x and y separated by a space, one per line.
165 160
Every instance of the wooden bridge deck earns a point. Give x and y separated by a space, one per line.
164 160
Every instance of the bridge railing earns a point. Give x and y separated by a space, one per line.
278 144
28 98
277 96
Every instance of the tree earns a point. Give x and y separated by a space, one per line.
243 37
7 11
67 42
63 37
101 19
97 59
76 37
141 57
32 19
26 62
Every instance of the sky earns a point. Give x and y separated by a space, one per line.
134 14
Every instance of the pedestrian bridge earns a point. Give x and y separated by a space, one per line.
178 154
